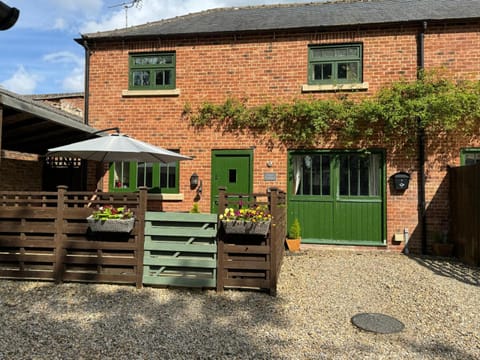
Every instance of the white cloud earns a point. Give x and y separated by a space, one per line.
63 57
22 81
60 24
84 6
49 14
75 81
73 69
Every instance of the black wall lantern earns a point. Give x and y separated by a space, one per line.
193 181
401 180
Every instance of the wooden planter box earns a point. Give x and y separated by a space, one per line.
246 227
111 225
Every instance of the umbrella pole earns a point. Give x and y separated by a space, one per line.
100 172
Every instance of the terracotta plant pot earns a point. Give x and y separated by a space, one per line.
293 244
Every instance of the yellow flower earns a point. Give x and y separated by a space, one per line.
253 214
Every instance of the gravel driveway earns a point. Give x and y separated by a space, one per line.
318 293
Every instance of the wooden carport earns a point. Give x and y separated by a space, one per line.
30 127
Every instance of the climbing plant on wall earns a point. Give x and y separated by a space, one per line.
433 102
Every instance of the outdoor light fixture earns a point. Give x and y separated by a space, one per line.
8 16
193 181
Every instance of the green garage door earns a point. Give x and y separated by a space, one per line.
338 196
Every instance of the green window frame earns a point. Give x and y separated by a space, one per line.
311 174
359 175
332 173
470 156
152 71
158 177
335 64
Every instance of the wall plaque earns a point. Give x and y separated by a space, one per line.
270 176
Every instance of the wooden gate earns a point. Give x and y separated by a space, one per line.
180 249
465 212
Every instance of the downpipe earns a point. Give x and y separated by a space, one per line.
421 147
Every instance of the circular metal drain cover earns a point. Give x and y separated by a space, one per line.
378 323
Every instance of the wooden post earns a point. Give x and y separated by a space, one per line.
222 204
222 200
58 267
140 237
273 204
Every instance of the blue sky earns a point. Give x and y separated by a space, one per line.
39 55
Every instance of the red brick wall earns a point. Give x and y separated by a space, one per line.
272 68
455 49
72 104
24 172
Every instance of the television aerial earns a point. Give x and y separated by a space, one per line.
128 5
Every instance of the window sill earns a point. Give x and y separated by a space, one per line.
335 87
166 197
172 92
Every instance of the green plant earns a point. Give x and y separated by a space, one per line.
254 214
396 113
295 231
195 209
107 212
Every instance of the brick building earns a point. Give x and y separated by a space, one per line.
142 79
72 103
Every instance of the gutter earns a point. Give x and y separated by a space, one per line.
86 96
422 217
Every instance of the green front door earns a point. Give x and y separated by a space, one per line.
338 197
231 169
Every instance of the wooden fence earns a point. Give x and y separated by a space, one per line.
180 249
252 261
465 212
44 235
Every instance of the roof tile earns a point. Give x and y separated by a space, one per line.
299 16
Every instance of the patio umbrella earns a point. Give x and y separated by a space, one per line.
116 147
